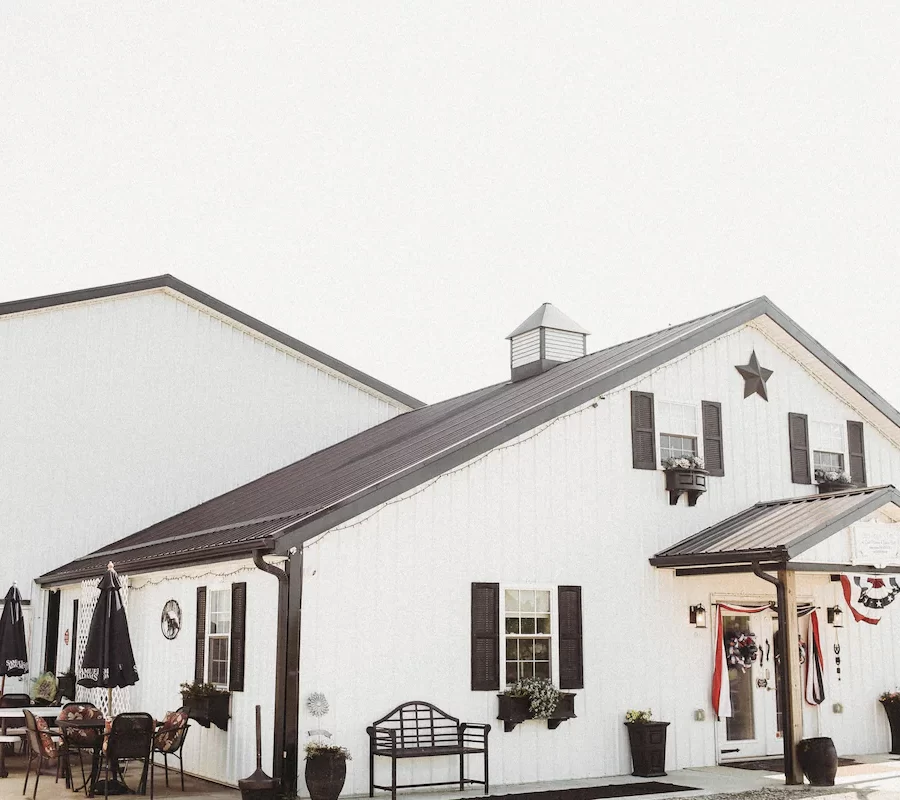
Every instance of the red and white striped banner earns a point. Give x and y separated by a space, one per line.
815 682
721 690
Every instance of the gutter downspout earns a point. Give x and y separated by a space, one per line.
790 765
278 747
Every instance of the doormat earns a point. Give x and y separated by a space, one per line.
594 792
775 764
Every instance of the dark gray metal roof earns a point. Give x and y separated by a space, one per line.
168 281
777 530
342 481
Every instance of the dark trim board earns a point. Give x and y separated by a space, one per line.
171 282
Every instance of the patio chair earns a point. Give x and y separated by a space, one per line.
130 737
13 700
169 740
41 747
76 740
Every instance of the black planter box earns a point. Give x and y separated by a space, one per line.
691 482
514 710
212 709
826 488
648 748
893 714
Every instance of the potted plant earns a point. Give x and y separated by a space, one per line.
647 739
890 701
208 703
67 685
685 474
832 480
535 698
326 770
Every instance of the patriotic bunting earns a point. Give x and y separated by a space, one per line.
868 596
815 684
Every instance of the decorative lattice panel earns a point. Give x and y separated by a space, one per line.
121 698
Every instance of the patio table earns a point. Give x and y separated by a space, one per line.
16 713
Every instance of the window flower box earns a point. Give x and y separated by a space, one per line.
208 709
833 481
685 475
513 710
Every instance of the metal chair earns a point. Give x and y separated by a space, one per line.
41 747
13 700
169 740
76 740
131 737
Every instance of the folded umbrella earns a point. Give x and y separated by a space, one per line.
13 654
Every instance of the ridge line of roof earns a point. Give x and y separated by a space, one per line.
168 281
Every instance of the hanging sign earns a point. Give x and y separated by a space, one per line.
876 544
869 595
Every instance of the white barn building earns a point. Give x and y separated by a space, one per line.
529 528
126 404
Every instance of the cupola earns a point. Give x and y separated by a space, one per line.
547 338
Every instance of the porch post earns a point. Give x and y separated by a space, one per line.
792 708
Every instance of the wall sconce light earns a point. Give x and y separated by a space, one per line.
835 616
698 615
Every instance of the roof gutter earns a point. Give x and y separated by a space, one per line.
287 668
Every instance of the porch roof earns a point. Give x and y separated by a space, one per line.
776 531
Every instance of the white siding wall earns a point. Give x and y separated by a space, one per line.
386 597
121 412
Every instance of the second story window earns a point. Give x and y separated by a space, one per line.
828 446
677 423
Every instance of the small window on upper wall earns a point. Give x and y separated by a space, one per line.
827 441
677 423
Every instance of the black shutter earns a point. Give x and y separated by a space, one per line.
485 636
643 431
52 632
200 642
798 431
857 451
73 639
571 650
238 630
713 454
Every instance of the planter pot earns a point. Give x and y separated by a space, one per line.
691 482
513 710
325 777
648 748
825 487
893 714
210 710
66 686
818 760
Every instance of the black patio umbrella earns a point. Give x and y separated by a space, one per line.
13 655
108 660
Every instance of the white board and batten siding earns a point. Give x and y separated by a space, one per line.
123 411
386 608
163 664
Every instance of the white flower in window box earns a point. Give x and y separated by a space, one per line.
832 480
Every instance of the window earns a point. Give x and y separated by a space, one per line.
677 423
527 627
828 444
219 636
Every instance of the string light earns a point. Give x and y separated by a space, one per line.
134 587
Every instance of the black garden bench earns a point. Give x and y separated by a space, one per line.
421 730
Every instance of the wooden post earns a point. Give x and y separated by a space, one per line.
792 717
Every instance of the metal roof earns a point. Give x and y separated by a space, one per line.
171 282
352 476
776 530
548 316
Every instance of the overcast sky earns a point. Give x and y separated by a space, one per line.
400 186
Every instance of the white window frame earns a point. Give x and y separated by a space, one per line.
554 626
662 418
822 444
227 589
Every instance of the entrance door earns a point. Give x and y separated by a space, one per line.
754 727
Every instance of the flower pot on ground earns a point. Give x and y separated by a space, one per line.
818 760
647 739
534 698
326 770
685 475
208 704
890 701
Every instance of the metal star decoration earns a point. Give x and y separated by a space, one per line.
755 377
